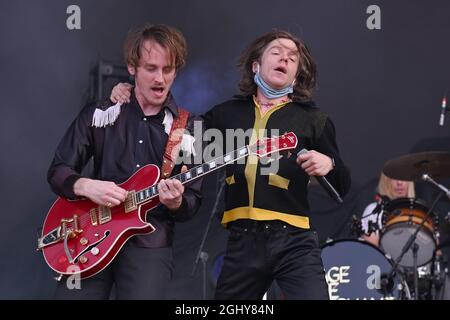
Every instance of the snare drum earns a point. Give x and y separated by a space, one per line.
402 217
354 270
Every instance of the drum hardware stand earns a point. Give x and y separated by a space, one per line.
437 279
442 270
415 249
410 244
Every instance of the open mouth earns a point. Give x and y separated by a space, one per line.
281 69
158 90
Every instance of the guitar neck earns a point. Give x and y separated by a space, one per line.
195 172
212 165
260 148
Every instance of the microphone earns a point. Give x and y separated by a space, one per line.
325 184
443 110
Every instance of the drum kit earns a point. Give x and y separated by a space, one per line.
407 265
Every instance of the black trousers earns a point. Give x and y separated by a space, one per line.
135 273
259 252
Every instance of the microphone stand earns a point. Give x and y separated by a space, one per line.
437 277
410 244
202 255
415 249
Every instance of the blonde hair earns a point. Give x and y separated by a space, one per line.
385 187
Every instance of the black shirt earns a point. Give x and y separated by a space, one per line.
119 150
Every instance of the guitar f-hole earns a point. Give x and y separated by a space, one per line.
92 246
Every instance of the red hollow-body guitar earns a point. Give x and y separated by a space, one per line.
82 237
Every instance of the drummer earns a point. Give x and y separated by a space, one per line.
372 217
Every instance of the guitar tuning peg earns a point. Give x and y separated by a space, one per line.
268 159
58 276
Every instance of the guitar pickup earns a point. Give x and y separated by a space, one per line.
93 214
100 215
104 214
130 202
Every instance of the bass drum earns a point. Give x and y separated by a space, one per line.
354 270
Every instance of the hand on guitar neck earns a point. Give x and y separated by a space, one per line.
171 192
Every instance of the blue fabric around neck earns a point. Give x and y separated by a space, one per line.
270 92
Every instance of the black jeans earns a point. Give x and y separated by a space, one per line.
136 273
259 252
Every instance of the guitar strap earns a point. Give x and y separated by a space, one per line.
174 142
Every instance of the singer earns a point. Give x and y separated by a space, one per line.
268 214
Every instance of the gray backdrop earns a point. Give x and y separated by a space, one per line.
382 89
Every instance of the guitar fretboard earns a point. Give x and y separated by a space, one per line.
195 172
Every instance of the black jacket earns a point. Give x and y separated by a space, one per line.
256 192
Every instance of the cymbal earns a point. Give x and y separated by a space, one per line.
411 167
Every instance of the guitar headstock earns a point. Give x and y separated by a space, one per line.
266 146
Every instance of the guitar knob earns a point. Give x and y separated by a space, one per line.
83 259
84 241
95 251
